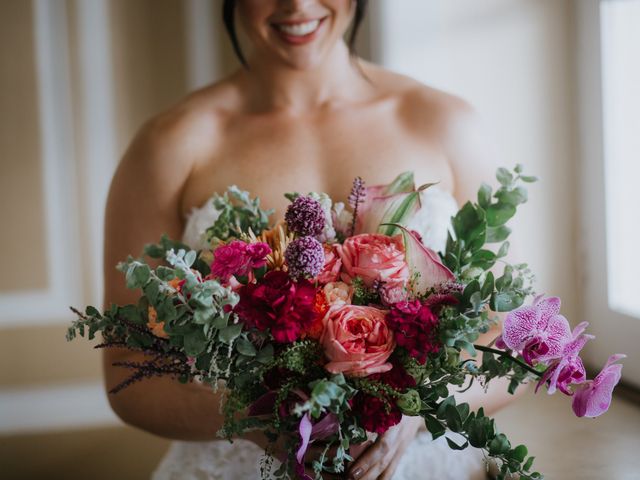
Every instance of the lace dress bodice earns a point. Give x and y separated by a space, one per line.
425 459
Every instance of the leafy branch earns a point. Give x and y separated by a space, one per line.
479 431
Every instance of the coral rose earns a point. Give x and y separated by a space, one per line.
332 264
357 341
372 257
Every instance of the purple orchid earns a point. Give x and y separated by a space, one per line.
593 397
538 331
568 369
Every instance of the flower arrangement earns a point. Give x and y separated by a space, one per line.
331 326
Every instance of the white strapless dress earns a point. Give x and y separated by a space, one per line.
425 459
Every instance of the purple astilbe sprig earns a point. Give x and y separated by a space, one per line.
356 197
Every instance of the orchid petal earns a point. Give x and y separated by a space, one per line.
558 334
593 398
549 307
519 325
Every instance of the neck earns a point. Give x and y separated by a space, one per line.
280 87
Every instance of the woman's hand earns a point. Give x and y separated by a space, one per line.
381 459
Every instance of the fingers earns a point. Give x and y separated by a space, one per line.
374 461
391 469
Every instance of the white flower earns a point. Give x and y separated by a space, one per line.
328 234
342 219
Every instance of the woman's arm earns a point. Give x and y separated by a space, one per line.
143 203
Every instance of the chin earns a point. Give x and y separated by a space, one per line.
303 61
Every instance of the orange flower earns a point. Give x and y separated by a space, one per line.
156 327
320 307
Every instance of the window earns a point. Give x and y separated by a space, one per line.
620 30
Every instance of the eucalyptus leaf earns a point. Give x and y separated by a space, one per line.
499 214
230 333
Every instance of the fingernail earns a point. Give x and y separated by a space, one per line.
356 474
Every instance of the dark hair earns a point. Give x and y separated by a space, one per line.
228 10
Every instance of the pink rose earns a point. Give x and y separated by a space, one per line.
357 341
372 257
332 264
338 293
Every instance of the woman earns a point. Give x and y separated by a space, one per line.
304 115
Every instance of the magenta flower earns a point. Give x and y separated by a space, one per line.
238 258
538 331
593 397
568 369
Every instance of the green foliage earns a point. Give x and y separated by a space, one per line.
238 213
479 431
363 295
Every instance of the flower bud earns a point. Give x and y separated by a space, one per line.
410 403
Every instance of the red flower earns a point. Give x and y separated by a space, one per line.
375 414
414 325
279 304
378 414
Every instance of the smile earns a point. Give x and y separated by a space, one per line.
297 33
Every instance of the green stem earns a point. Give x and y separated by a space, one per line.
504 354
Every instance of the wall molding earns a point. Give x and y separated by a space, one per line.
50 305
55 408
99 156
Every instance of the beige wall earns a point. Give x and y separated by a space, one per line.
511 58
20 183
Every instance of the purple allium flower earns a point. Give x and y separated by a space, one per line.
593 397
305 257
538 331
305 216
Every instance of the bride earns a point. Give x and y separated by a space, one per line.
303 114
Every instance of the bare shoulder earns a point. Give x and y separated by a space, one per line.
187 132
421 108
448 121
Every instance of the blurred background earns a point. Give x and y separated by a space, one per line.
557 81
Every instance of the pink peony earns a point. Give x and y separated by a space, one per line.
538 331
372 256
357 340
331 270
238 258
593 397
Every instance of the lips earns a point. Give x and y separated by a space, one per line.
298 32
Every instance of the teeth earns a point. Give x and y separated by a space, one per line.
299 29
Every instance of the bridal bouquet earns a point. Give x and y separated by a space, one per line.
330 326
